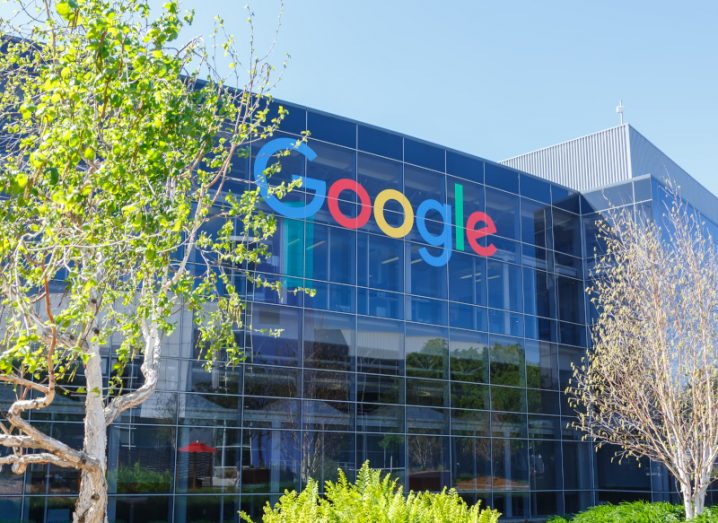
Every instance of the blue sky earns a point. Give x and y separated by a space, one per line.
502 77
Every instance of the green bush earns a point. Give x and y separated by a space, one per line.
372 499
637 512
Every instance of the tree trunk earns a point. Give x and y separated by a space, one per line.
693 501
91 506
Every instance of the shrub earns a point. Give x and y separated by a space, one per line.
637 512
372 499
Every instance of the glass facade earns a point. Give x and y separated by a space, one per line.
444 375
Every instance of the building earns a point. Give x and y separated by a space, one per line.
448 307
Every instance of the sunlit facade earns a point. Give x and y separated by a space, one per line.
436 345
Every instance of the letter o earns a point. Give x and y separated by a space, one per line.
345 184
381 199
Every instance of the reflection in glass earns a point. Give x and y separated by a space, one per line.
469 356
541 364
472 463
380 418
536 223
263 346
208 460
507 361
545 465
428 462
270 461
328 385
467 278
511 399
260 380
324 452
427 351
380 346
510 464
469 396
383 451
470 422
141 459
328 340
578 465
504 209
504 286
427 392
380 262
427 420
376 388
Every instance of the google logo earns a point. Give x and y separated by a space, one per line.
476 226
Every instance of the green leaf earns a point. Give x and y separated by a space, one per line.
21 180
64 10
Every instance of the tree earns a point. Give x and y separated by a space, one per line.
650 383
117 144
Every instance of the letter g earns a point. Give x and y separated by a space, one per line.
318 186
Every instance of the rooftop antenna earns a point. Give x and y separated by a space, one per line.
619 110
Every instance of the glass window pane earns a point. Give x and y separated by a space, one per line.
374 388
270 461
380 418
271 381
467 278
504 286
380 142
208 459
262 347
325 452
469 396
507 361
423 154
145 459
509 425
427 393
545 427
377 174
424 279
578 465
465 166
541 365
380 346
422 184
536 223
328 340
472 464
426 351
328 385
570 299
383 451
470 422
428 462
469 356
501 177
535 188
504 210
279 413
510 399
566 232
331 164
381 260
331 129
510 464
330 254
328 415
427 420
545 469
